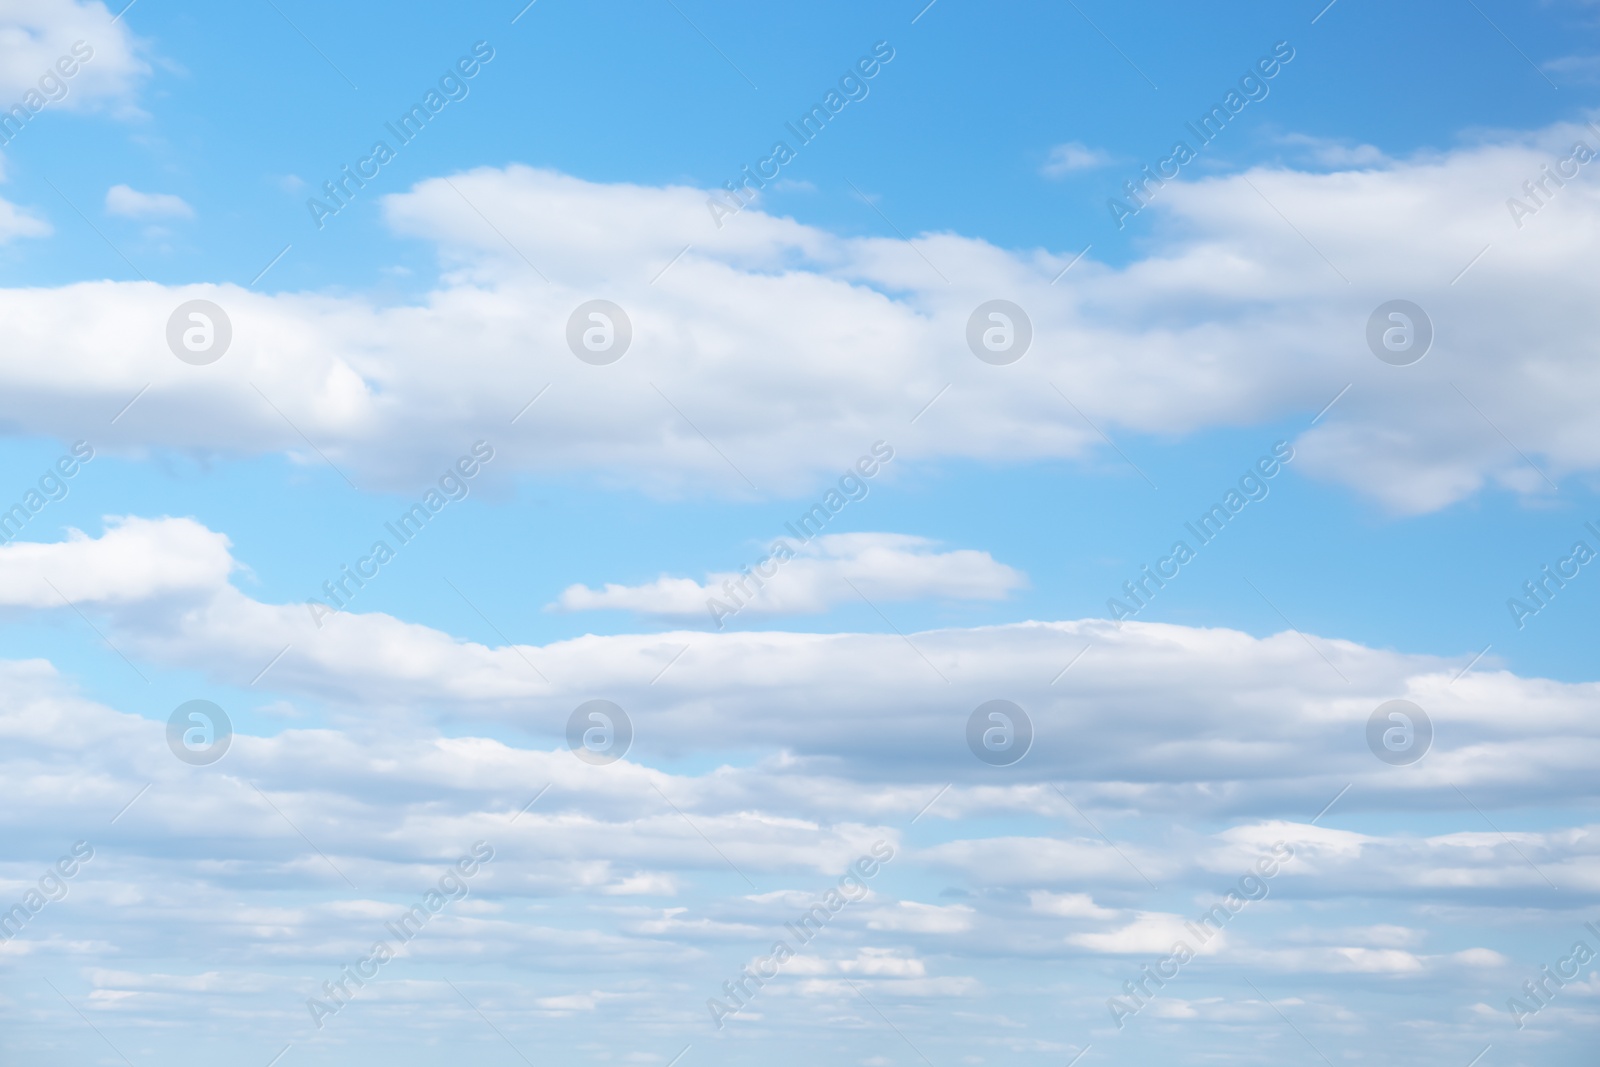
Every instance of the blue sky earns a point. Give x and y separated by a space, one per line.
1390 154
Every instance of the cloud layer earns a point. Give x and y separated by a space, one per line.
1158 716
1163 762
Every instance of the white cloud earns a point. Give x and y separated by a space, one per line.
1067 905
132 204
1480 957
574 1002
1150 934
880 565
37 35
922 918
1340 959
645 883
1072 157
1580 69
20 222
1331 153
1377 961
1037 861
1233 320
134 560
874 962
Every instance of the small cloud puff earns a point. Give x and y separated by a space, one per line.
129 203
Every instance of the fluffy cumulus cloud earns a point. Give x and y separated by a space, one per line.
805 577
771 352
134 560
